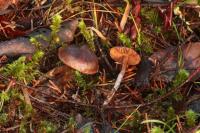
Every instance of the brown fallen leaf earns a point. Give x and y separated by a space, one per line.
166 63
4 4
54 83
22 45
125 16
16 47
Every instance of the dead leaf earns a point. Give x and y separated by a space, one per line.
4 4
125 16
22 45
166 64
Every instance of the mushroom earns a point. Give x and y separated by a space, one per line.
125 56
81 59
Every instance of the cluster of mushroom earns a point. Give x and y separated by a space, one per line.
86 62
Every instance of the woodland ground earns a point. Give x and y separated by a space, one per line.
37 95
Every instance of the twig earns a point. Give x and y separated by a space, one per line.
26 96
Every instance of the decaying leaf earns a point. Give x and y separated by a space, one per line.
166 63
22 45
4 4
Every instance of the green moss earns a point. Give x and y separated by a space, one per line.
181 76
3 118
145 43
126 41
87 35
151 15
80 80
191 118
170 113
157 130
19 68
47 127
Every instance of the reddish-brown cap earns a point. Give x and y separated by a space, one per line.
81 59
119 53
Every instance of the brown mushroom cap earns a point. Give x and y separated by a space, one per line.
81 59
118 54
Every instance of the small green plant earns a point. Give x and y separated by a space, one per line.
124 39
28 111
3 118
54 38
177 96
144 43
87 128
165 126
55 27
80 80
181 76
87 35
4 96
134 121
71 124
191 118
16 69
34 40
19 68
170 113
132 114
157 130
192 1
177 32
151 15
68 2
14 93
47 127
22 127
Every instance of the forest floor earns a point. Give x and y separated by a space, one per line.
103 66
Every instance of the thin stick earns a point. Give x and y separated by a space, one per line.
26 96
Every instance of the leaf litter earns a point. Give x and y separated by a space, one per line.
58 99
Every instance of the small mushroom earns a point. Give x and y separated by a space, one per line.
81 59
125 56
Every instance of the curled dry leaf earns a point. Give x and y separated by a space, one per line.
136 24
16 46
22 45
54 82
166 62
4 4
125 16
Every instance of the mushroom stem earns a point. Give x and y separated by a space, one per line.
121 74
118 81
